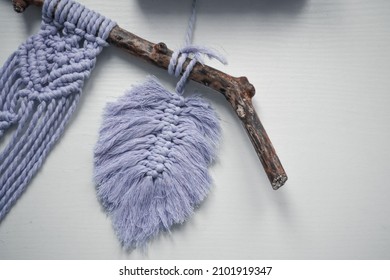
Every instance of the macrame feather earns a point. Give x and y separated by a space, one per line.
151 160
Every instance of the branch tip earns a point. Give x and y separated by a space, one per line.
20 5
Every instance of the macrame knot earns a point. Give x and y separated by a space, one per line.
56 61
73 18
195 53
6 120
166 122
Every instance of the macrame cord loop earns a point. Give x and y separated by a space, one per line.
194 52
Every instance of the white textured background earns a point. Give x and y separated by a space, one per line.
321 69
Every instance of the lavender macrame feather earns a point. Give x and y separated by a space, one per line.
151 160
155 146
40 86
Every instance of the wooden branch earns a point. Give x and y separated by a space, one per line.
237 91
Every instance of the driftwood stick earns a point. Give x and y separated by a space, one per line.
237 91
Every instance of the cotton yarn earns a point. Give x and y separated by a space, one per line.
151 160
40 87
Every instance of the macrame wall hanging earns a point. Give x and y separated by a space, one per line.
154 146
40 87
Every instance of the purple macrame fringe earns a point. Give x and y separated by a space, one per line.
151 160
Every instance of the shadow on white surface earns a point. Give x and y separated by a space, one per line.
172 7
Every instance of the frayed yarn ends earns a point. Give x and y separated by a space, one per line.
151 160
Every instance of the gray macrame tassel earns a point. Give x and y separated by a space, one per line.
151 160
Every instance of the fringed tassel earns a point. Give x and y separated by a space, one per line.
151 160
